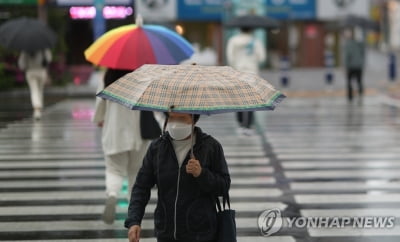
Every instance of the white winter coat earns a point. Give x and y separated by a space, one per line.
121 128
245 52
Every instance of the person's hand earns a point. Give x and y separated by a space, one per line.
134 233
100 124
193 167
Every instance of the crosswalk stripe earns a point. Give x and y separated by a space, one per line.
384 173
240 239
359 212
355 232
378 155
92 225
341 164
348 198
93 172
349 185
76 195
98 209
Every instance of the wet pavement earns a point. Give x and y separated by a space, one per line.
312 157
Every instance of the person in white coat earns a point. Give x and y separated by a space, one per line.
245 52
126 135
35 67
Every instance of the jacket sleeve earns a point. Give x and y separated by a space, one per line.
347 53
141 191
260 51
217 179
100 106
22 62
48 55
230 49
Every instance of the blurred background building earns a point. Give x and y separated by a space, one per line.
308 27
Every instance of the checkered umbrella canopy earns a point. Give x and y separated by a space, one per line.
192 89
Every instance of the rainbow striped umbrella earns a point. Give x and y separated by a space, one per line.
131 46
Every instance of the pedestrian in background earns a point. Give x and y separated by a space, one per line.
245 53
354 58
35 67
126 134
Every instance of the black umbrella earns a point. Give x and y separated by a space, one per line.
26 34
351 21
252 21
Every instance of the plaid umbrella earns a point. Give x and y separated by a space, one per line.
192 89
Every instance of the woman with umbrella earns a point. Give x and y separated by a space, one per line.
127 134
187 183
187 186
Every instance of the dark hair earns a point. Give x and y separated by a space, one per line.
196 117
112 75
246 29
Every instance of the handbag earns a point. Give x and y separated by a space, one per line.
149 127
45 63
226 224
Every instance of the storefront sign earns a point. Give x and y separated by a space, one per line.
18 2
291 9
157 10
200 9
91 2
335 9
109 12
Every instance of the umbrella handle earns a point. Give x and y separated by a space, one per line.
192 140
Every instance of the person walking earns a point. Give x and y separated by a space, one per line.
354 54
245 53
35 67
126 134
187 186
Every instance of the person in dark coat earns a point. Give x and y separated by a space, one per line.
187 187
354 54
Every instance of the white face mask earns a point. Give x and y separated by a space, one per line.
179 131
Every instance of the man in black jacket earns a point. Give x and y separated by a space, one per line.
186 187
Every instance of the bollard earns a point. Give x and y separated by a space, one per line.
284 68
392 67
329 63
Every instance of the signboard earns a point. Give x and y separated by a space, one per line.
109 12
156 10
200 10
99 24
334 9
16 2
91 2
291 9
